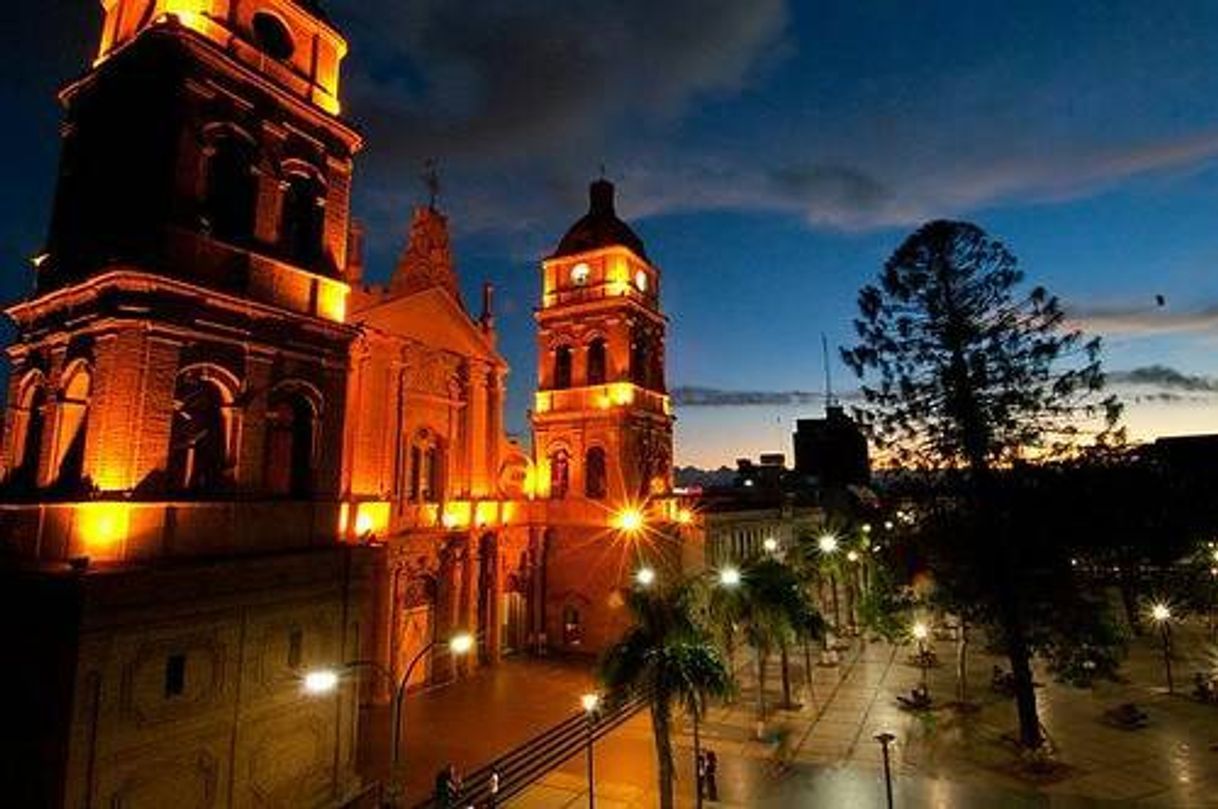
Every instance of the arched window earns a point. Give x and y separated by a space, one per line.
560 474
198 445
291 439
30 429
303 219
232 188
562 367
73 424
596 483
426 469
596 362
640 362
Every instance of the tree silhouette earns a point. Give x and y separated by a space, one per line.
966 375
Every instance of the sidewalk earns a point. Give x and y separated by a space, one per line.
472 721
824 753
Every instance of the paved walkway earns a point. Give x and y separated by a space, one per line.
824 754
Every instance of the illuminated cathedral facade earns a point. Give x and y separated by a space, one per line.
227 460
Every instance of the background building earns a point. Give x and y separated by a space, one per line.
832 450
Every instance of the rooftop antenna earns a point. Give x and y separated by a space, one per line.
824 347
602 169
431 180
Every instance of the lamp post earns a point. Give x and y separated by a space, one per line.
324 681
1161 614
591 702
886 739
921 632
827 544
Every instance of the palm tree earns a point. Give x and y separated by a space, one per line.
668 657
776 610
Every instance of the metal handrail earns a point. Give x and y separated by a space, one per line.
522 765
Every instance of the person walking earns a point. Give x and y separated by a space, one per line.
700 774
493 783
712 769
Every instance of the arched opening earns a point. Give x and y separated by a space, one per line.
291 439
560 474
562 367
232 188
596 483
303 219
640 361
198 448
73 425
596 362
426 469
31 428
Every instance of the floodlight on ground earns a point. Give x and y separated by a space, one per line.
645 576
729 576
322 681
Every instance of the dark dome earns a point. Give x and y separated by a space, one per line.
600 227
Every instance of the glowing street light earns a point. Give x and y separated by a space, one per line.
827 543
866 528
590 702
1161 614
629 520
729 576
323 681
770 545
852 556
921 632
645 577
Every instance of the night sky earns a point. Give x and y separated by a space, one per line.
771 155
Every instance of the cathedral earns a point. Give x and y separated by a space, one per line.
228 460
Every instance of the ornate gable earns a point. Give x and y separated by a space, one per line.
428 260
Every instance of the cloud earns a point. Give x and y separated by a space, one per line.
1163 377
1143 321
479 80
695 396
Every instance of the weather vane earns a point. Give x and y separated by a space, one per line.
431 180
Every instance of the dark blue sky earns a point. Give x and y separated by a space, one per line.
771 154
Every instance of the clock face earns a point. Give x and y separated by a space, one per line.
640 280
580 273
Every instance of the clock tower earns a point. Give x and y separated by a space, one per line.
602 423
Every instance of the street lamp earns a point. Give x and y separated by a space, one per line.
323 681
591 702
629 520
770 545
1161 614
645 576
921 632
886 739
729 576
827 543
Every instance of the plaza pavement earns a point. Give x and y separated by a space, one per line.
823 753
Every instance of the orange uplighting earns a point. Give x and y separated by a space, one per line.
621 393
371 518
685 516
102 527
332 300
456 515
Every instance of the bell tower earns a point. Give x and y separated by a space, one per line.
602 419
602 428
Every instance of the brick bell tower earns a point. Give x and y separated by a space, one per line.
602 423
170 467
187 338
